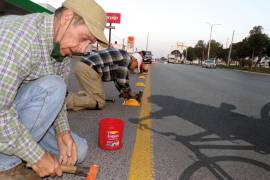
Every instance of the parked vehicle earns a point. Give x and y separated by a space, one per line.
265 62
174 60
147 57
171 60
163 59
209 63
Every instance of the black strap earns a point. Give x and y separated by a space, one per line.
97 106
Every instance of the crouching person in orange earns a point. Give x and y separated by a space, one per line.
97 67
141 67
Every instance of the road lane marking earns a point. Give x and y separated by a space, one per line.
141 167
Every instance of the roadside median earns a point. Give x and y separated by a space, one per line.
264 71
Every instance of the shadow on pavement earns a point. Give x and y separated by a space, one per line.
220 121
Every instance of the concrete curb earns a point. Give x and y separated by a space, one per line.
258 73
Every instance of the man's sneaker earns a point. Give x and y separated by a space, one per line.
20 172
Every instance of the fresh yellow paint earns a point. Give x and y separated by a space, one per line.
131 102
140 84
141 77
141 160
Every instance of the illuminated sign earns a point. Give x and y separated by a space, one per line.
113 17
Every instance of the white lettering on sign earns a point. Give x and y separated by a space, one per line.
113 135
113 18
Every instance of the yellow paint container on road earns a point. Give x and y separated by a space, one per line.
140 84
131 102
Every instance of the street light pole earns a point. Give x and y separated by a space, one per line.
209 44
147 41
186 52
229 57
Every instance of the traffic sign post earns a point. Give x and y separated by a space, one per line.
110 27
110 32
112 18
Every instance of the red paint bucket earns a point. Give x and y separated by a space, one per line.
111 133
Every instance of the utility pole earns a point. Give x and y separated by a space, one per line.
227 41
186 52
229 56
209 44
147 41
123 46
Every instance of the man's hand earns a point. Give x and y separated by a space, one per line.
67 149
48 165
138 96
125 94
132 95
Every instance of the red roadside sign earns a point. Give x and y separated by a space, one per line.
131 41
113 17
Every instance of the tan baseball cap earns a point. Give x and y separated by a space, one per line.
93 15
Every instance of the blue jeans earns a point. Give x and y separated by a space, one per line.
38 104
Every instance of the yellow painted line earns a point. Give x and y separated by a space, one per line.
141 161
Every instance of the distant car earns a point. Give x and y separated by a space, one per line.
209 63
147 57
163 59
154 59
171 60
265 63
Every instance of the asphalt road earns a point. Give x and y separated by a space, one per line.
206 124
210 123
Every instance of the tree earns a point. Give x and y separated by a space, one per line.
268 48
216 49
256 44
200 50
223 54
190 54
177 54
257 41
240 50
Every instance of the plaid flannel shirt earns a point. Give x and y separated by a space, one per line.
112 64
26 43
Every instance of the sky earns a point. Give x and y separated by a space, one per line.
186 21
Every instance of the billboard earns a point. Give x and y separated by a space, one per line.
113 17
130 41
